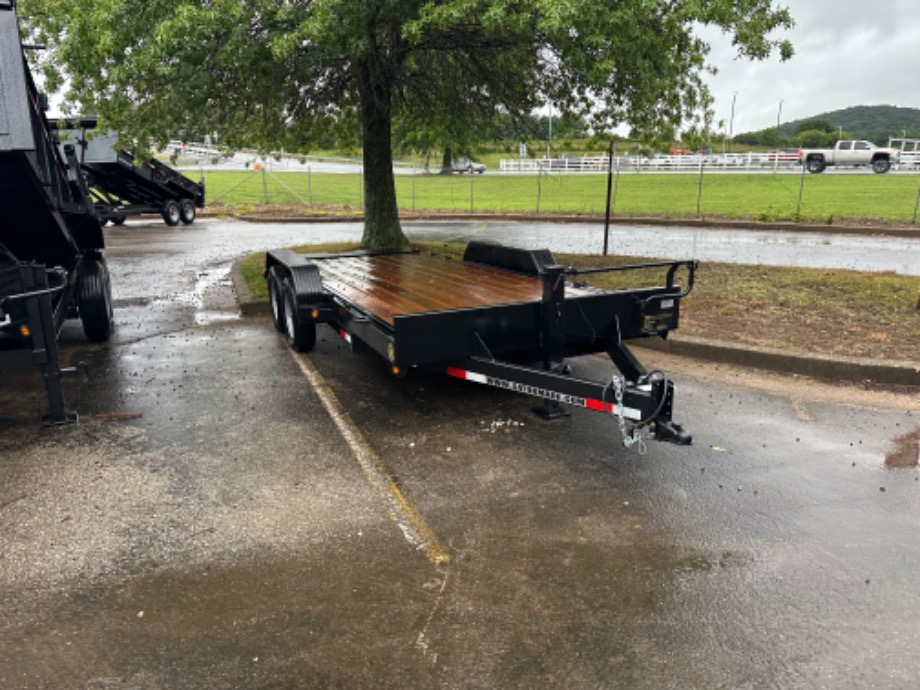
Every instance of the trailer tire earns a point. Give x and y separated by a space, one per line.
276 298
881 165
170 213
187 211
119 220
94 300
301 334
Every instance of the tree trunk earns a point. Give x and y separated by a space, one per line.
446 163
381 215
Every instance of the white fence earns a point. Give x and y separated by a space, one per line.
586 164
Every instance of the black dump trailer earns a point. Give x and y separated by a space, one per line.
51 241
122 186
502 316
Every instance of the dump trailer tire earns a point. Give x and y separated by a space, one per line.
171 214
187 211
119 220
276 298
301 334
94 300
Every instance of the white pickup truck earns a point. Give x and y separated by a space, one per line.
849 152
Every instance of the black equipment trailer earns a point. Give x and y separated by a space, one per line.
503 317
51 263
122 186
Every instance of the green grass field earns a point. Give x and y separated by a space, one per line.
827 198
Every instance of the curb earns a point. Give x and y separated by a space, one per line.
767 359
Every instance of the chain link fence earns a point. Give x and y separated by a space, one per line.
781 194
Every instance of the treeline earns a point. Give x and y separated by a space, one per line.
876 123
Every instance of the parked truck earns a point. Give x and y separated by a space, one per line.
853 153
51 241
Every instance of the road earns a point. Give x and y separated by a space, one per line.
206 524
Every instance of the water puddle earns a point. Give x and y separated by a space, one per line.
906 452
212 297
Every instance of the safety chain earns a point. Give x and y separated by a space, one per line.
629 439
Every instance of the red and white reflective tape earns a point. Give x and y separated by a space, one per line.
574 400
346 336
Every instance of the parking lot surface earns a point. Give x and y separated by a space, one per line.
207 524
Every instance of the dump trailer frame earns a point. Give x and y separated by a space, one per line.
122 186
51 241
384 303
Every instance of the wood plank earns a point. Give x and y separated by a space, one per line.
400 284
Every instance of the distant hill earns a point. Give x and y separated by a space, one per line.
873 122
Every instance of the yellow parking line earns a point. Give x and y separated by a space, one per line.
413 526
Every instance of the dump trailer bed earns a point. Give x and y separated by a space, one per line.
503 316
51 241
123 186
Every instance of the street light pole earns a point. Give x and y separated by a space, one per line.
779 114
731 122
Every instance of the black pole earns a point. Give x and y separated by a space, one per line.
609 193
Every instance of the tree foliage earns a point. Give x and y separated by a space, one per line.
267 71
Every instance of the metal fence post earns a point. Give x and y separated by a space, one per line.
538 189
699 192
310 185
264 186
798 210
472 177
414 177
914 219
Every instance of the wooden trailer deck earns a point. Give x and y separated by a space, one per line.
402 284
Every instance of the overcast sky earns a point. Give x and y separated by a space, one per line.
847 52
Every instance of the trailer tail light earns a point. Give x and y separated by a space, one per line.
315 313
25 331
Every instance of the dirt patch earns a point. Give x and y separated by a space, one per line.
906 451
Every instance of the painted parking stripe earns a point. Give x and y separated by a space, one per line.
413 526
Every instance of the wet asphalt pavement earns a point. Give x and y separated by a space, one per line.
206 525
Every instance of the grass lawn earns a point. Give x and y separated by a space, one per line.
827 198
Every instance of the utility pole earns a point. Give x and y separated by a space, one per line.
731 122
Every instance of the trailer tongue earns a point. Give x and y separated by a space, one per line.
502 317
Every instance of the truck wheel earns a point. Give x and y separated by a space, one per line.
301 334
815 165
170 213
276 298
94 300
187 211
881 165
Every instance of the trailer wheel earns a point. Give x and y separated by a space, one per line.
171 214
94 300
276 298
881 165
187 211
301 334
119 220
815 165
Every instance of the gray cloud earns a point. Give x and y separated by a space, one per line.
848 52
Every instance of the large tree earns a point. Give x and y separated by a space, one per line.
257 70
